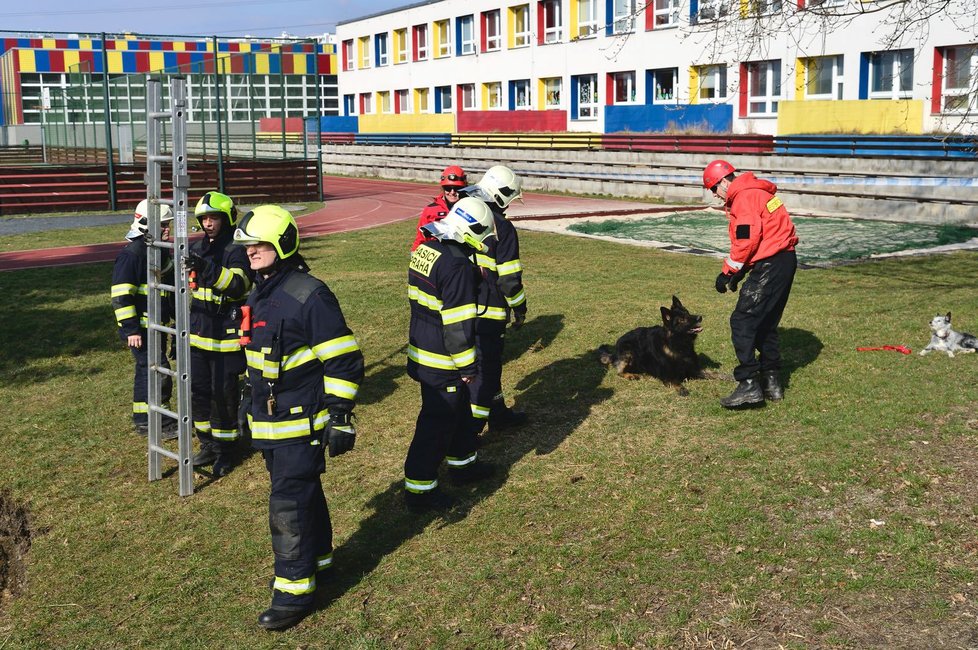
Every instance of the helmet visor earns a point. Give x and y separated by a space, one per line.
241 234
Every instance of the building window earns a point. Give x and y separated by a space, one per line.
380 42
466 35
666 13
364 44
443 39
587 97
713 9
468 96
521 25
348 55
664 85
823 77
520 94
493 95
712 83
402 101
383 101
553 25
623 87
443 99
420 33
624 16
551 92
348 105
811 4
587 18
891 74
421 100
490 26
960 70
764 7
366 103
400 46
764 87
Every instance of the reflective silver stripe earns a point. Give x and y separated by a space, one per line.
297 358
224 434
296 587
123 313
419 487
460 462
140 407
494 313
324 562
734 265
202 425
463 359
119 290
485 262
458 314
214 345
256 360
516 300
431 359
207 294
224 279
335 347
285 429
480 412
340 387
423 299
508 268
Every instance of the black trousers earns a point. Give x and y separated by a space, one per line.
214 378
754 322
443 432
302 534
140 379
486 387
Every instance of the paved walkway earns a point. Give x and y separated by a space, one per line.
351 204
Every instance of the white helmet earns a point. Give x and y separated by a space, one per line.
469 222
140 223
501 185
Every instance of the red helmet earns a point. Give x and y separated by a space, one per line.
453 176
715 172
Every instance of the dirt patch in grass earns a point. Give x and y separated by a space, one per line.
15 541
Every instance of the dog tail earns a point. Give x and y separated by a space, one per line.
606 354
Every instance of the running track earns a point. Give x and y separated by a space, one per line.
351 204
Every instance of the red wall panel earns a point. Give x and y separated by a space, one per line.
511 121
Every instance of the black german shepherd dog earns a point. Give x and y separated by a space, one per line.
664 351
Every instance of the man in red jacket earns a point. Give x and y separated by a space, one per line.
452 182
762 242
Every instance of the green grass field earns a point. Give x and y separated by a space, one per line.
624 515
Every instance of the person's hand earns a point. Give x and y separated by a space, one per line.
736 278
134 341
340 433
519 317
721 282
194 262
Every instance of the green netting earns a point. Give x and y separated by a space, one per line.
823 239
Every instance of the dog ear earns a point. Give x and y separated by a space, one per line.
949 317
676 303
666 315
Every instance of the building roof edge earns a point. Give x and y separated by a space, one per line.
389 11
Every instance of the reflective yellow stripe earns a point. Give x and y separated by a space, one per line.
485 262
207 294
419 487
296 587
508 268
458 314
335 347
140 407
324 562
123 290
424 299
480 412
453 461
256 360
340 387
494 313
124 313
224 434
297 358
431 359
214 345
223 279
282 430
516 300
464 358
202 426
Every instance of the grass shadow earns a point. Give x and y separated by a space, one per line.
380 377
798 349
535 335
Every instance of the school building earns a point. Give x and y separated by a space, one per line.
773 67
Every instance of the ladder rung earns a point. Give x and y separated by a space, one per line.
165 452
161 244
159 285
162 328
165 371
160 159
164 411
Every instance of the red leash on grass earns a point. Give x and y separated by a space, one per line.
896 348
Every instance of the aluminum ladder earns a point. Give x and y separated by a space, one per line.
155 161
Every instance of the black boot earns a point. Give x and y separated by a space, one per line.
207 453
224 460
279 618
748 392
772 385
428 501
477 471
503 417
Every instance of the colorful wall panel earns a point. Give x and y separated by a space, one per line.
512 121
658 118
335 124
851 116
407 123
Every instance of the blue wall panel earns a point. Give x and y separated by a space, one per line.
716 118
335 124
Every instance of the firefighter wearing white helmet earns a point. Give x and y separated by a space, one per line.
503 297
305 368
220 278
129 291
441 352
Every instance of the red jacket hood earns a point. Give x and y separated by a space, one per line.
747 181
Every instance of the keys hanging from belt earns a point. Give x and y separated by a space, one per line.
270 402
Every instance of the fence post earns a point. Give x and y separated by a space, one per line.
108 124
319 121
217 116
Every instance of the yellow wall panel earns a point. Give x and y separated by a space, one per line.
156 61
408 123
298 63
868 116
178 46
244 47
121 45
115 62
71 60
85 44
694 85
48 43
261 63
26 60
800 79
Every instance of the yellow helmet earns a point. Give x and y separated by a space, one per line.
271 224
215 202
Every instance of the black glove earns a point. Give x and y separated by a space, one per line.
340 433
737 277
194 262
519 316
721 283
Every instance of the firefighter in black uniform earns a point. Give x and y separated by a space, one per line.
501 295
305 369
220 278
129 293
441 352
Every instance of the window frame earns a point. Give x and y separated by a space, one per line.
836 81
772 79
587 28
628 80
671 11
522 38
494 41
548 92
969 92
654 78
468 89
720 9
383 58
443 29
400 46
594 106
895 77
366 52
445 99
552 11
466 46
421 44
349 57
718 72
527 102
624 22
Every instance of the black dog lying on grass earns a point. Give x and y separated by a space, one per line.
664 351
